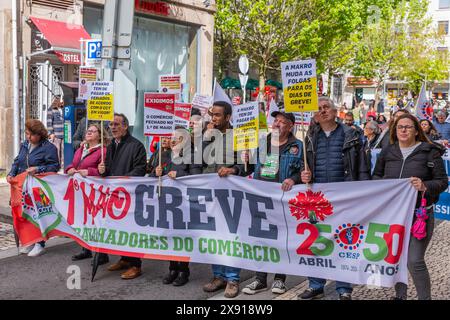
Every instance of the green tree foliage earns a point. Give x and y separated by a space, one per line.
400 44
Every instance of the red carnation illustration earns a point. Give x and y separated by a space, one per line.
310 205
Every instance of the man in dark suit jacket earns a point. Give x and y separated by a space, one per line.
125 156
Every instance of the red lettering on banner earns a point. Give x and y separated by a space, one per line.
70 196
107 202
118 202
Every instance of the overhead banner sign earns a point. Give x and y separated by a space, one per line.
232 221
300 86
86 75
245 126
100 101
182 114
159 112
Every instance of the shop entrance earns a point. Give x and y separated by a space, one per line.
44 79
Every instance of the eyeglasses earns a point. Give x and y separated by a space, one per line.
405 128
91 131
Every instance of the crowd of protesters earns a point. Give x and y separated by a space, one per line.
338 147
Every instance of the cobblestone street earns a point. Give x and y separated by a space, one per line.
6 237
438 257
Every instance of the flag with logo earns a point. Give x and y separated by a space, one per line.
424 110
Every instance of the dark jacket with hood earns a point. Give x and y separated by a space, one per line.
352 154
425 162
174 164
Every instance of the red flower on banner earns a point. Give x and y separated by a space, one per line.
310 205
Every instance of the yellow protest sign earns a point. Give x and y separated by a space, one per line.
300 86
262 121
100 106
245 129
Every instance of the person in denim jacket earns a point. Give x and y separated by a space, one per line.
282 163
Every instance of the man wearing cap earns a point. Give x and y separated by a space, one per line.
334 153
281 163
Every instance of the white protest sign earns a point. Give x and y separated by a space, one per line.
159 112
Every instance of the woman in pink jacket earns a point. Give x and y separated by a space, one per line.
85 162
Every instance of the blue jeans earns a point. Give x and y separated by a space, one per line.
226 273
341 287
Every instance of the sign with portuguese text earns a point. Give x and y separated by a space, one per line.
319 232
300 86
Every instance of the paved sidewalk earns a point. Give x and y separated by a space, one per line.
437 259
6 237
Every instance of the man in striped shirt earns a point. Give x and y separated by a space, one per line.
55 124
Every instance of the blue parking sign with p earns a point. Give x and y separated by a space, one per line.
94 50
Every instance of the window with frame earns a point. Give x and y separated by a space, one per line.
443 27
444 4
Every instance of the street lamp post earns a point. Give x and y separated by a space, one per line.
243 76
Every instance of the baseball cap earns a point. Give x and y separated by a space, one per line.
288 115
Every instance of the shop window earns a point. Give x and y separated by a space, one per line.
157 48
444 4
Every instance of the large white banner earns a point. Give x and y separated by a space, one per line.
356 232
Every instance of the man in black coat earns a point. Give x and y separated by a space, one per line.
125 156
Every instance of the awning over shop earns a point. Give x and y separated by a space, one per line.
252 84
63 37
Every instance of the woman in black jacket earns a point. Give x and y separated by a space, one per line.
430 130
412 155
175 166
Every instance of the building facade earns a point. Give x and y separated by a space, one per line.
169 37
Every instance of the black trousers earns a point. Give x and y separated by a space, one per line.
134 262
179 266
262 276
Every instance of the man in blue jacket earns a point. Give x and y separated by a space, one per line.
281 163
334 154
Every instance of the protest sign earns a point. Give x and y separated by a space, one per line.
170 84
100 101
303 118
202 102
272 108
262 121
182 114
159 112
245 126
85 75
300 86
232 221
